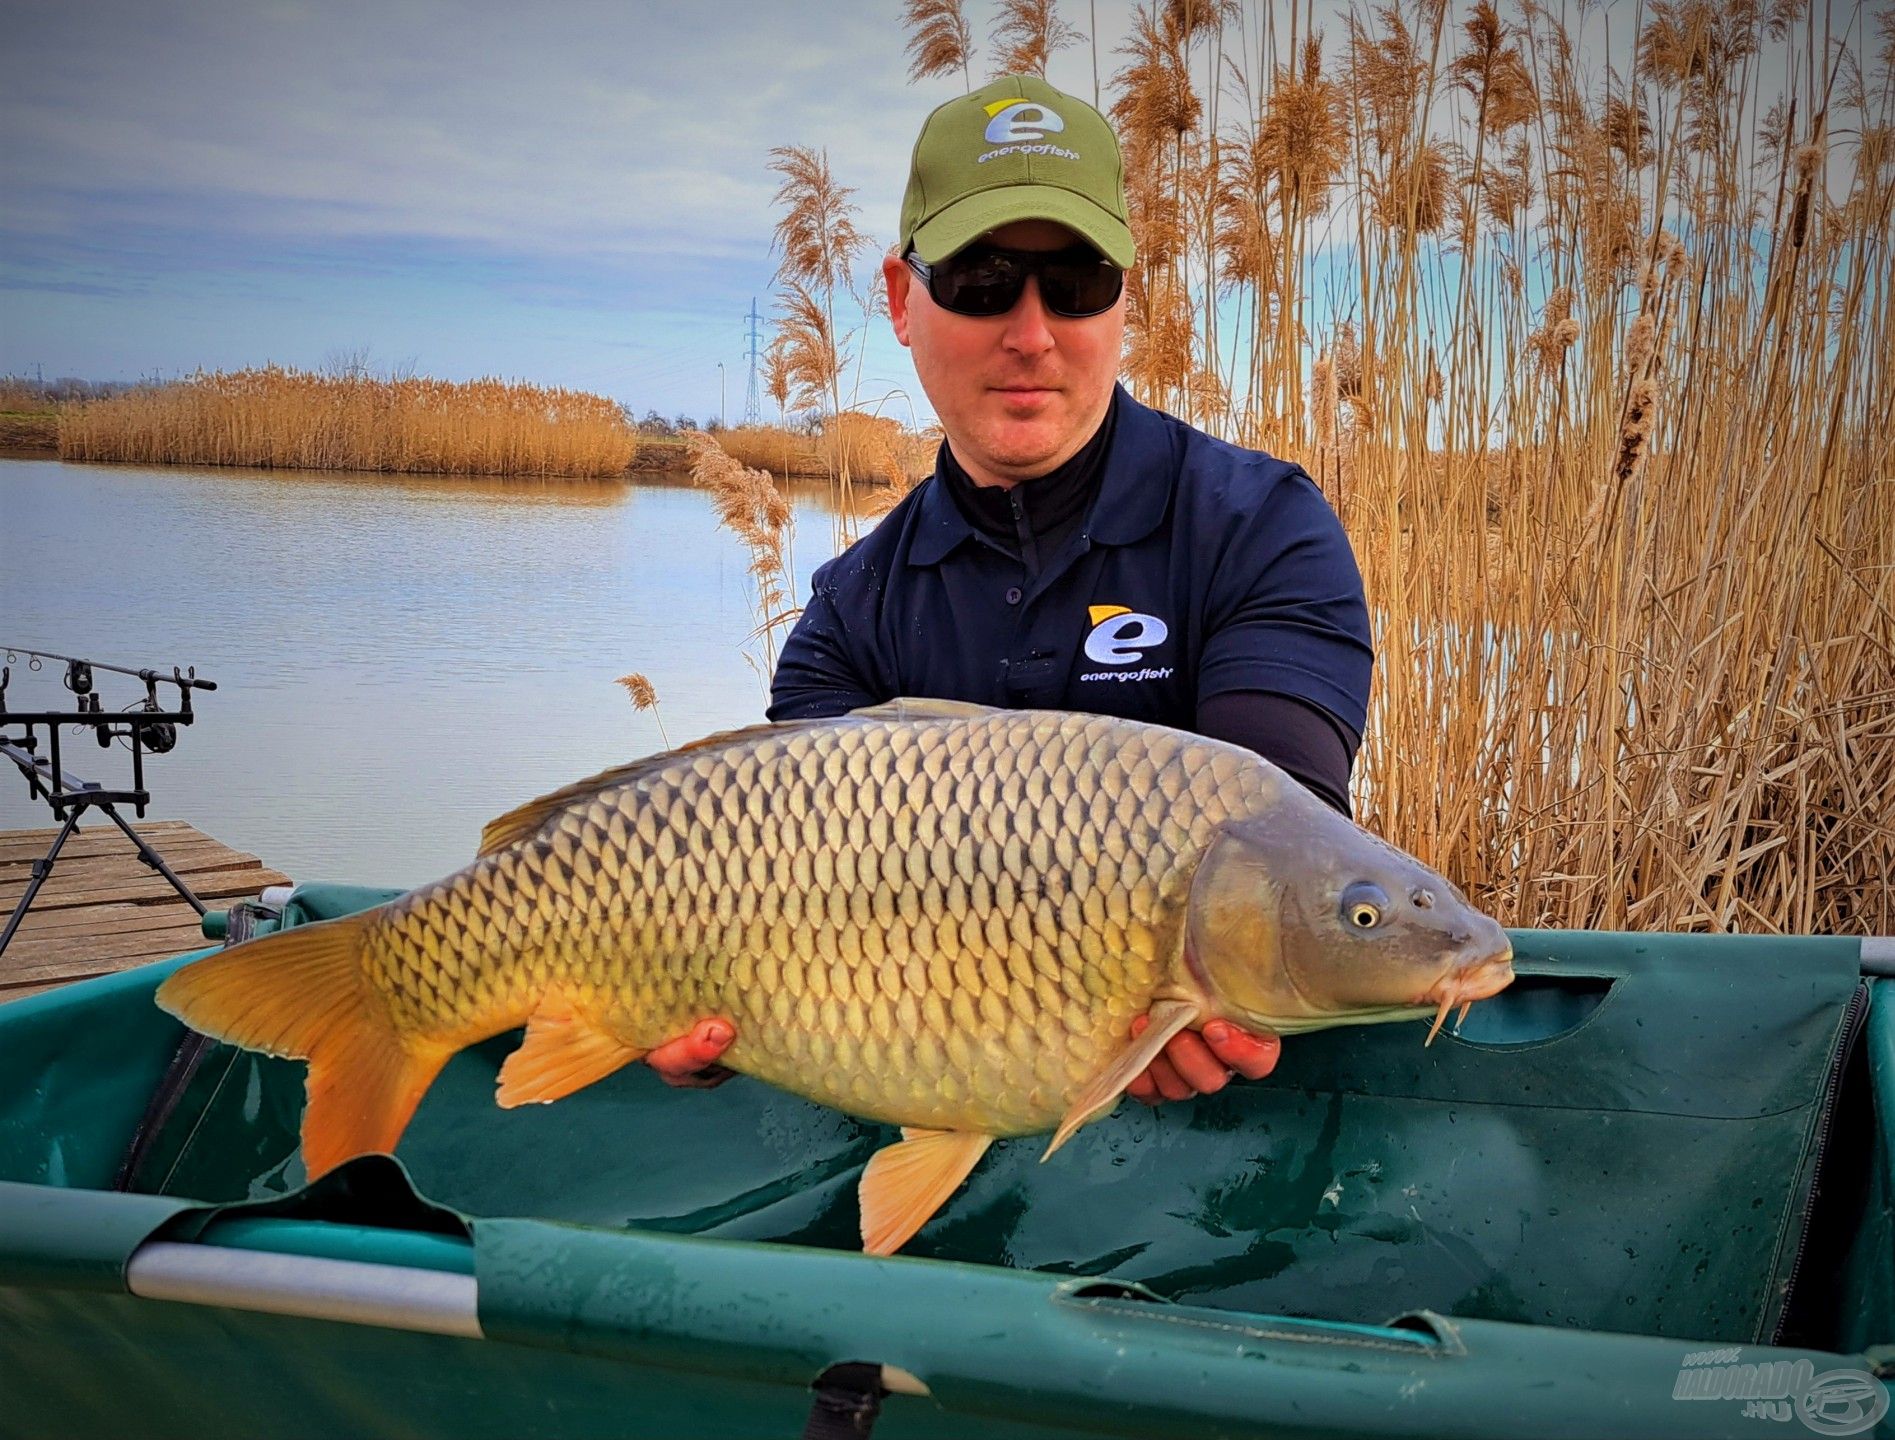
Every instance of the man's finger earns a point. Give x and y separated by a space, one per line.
1142 1090
1251 1055
1169 1084
1195 1063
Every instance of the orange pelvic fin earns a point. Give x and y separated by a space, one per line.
563 1051
1168 1017
905 1183
304 994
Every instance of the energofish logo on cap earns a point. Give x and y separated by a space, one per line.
1019 126
1007 122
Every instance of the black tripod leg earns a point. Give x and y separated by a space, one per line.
42 868
185 1063
152 858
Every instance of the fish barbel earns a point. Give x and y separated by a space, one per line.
927 913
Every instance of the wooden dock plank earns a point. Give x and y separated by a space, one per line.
103 910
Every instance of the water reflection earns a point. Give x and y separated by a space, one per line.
399 658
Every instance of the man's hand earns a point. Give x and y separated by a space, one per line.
1201 1064
1193 1063
690 1062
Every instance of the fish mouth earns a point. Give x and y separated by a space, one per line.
1479 978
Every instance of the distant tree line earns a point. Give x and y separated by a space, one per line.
27 392
806 422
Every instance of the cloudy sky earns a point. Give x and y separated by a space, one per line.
572 191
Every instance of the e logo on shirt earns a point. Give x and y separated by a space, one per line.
1120 635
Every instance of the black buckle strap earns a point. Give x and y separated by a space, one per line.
848 1400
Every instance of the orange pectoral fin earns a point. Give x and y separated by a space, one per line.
1168 1017
564 1051
905 1183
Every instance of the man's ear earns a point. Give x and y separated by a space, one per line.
895 278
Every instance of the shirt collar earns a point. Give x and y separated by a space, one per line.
1133 491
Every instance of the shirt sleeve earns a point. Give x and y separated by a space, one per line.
1286 613
817 675
1315 748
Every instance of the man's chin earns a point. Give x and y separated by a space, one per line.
1029 449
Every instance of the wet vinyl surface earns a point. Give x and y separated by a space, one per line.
1490 1179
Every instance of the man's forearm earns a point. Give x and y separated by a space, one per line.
1304 739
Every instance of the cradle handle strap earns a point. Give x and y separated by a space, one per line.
849 1398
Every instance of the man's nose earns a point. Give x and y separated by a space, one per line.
1027 332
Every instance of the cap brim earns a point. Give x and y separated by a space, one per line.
967 219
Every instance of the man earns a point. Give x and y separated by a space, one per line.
1073 549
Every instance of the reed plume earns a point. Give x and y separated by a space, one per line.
644 696
818 242
749 504
1026 34
940 41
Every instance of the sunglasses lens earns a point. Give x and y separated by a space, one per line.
985 282
978 284
1080 287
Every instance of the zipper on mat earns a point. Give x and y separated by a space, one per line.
1852 1019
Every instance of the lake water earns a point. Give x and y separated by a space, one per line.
398 659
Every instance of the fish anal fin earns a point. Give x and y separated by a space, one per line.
1168 1017
905 1183
564 1050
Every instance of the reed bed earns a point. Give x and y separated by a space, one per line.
874 448
298 419
1585 330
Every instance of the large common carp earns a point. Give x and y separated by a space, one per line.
927 913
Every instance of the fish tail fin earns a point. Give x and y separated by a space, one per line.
304 994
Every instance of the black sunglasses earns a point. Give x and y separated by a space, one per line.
986 280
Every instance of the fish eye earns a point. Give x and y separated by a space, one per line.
1363 905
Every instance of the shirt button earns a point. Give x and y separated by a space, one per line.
1013 594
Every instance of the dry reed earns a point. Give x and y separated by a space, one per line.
1599 378
291 418
872 447
1026 34
644 696
940 41
749 504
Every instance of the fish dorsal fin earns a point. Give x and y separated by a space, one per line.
527 819
1168 1017
908 708
563 1051
905 1183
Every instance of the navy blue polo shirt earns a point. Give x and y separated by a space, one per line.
1200 569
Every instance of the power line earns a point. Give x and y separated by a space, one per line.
752 405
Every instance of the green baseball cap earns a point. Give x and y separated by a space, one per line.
1016 149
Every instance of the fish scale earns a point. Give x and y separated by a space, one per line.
807 919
